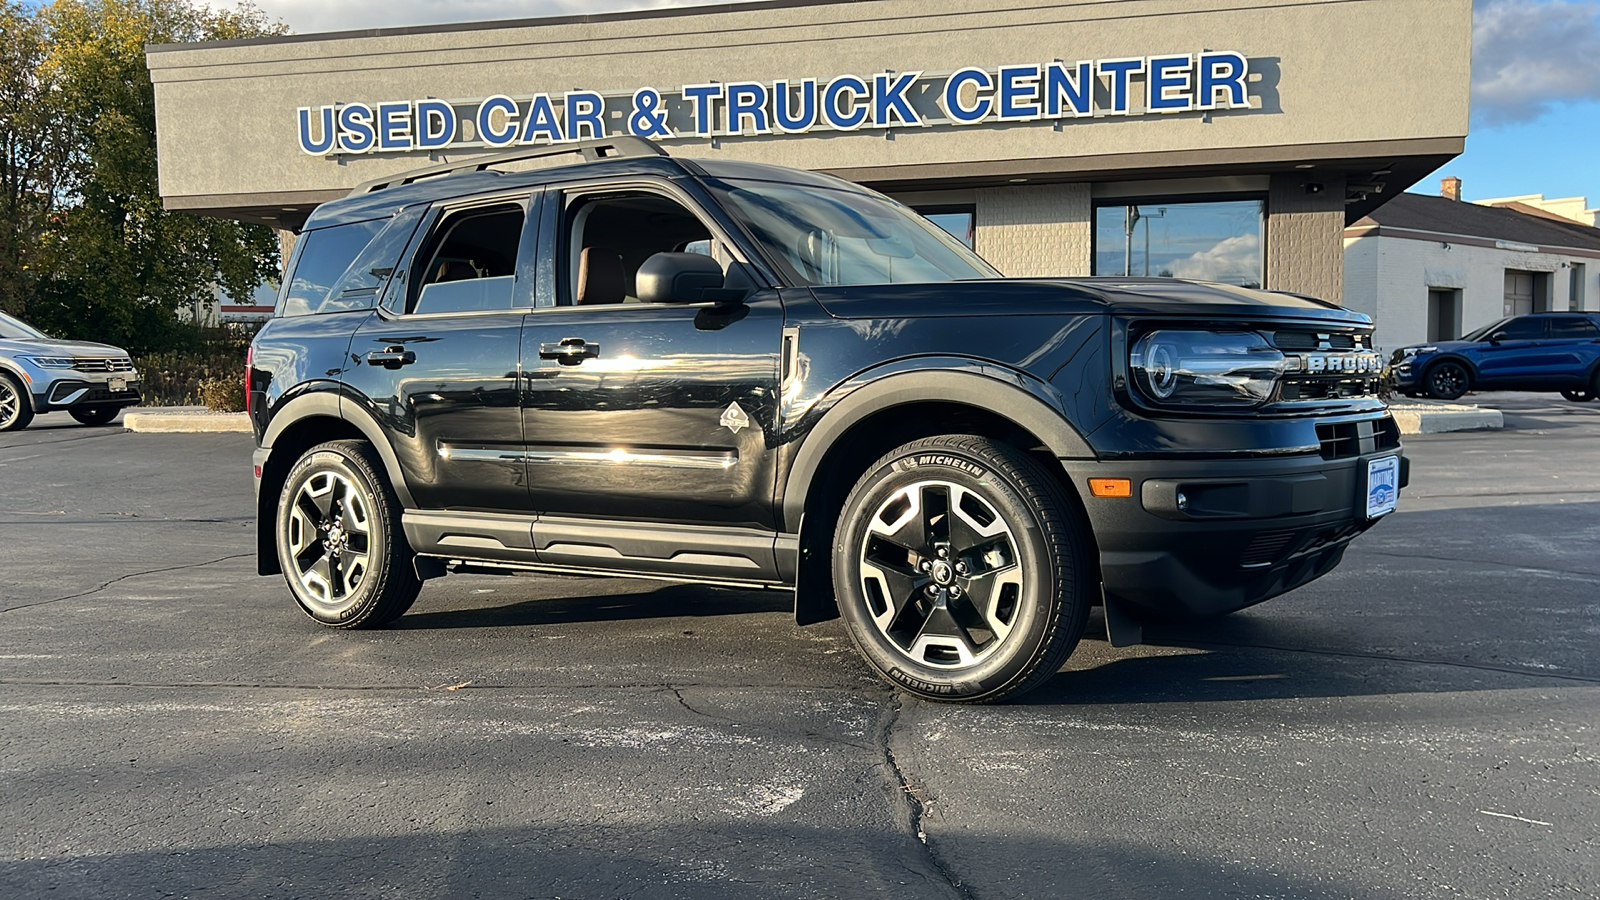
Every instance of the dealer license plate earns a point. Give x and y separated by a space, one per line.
118 384
1383 485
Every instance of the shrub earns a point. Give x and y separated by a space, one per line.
177 377
223 394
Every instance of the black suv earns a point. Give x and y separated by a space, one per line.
744 375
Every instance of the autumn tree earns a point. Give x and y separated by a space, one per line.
108 261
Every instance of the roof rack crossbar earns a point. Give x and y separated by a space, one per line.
610 148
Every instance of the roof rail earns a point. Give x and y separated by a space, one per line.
609 148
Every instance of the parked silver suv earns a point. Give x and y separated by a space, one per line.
39 374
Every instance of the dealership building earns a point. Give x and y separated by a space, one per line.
1229 140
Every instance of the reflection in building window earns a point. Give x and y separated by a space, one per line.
958 221
1209 241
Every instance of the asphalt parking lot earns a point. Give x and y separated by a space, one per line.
1419 724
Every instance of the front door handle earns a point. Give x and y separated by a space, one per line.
569 352
391 357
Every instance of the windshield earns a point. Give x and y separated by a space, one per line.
16 329
825 236
1485 331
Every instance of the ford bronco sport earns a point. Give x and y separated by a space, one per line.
744 375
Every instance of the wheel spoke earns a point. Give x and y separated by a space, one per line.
943 639
994 598
901 587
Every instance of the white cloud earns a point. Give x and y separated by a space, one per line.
1234 260
315 16
1528 55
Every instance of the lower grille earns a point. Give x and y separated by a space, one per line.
1347 440
1266 549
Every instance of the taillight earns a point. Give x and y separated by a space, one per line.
249 360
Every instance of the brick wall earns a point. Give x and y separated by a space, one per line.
1305 235
1032 230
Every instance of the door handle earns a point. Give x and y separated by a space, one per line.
570 351
391 357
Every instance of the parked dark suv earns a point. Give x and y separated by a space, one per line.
737 374
1535 352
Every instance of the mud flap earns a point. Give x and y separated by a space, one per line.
1122 629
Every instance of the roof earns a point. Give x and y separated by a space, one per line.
1441 215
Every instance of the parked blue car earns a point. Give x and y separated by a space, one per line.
1536 352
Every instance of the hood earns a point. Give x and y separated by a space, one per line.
55 347
1439 346
1075 296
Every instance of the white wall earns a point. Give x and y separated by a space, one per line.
1389 278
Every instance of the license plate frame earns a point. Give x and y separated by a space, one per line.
1381 487
117 384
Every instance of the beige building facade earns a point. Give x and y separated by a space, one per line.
1222 139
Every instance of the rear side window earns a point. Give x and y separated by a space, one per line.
361 283
470 262
323 257
1573 328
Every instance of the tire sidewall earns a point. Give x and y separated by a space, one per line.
365 598
24 405
1040 592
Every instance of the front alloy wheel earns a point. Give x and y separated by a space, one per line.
339 541
16 408
1447 381
959 567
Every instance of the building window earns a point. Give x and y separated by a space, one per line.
959 221
1575 294
1444 314
1206 241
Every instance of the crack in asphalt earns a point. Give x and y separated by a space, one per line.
1380 657
119 578
911 808
748 728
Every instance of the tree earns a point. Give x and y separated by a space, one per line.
29 153
111 263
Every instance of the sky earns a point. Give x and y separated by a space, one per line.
1535 79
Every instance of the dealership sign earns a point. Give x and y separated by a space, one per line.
1135 86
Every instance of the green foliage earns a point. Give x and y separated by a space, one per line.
223 394
104 260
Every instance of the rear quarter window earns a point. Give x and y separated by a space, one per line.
322 259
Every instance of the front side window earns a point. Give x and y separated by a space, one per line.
469 263
1217 241
611 235
1524 328
827 236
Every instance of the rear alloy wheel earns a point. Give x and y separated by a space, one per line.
16 407
960 567
339 540
1448 380
94 415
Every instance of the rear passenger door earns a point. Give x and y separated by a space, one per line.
1574 349
438 367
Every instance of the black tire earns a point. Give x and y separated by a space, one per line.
94 415
16 405
1577 396
338 523
1447 380
1015 539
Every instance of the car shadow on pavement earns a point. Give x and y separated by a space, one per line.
730 859
670 601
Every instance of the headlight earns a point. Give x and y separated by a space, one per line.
1205 368
51 362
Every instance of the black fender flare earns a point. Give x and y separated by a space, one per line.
332 403
1026 401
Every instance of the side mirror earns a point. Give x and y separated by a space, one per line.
1498 336
680 278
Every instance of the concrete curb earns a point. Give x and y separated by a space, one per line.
1437 418
184 420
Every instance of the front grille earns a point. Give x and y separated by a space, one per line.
107 364
1347 440
1319 340
1295 387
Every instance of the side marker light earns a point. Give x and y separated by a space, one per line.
1111 487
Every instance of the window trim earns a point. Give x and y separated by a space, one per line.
1261 197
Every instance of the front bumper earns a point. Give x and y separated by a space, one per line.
75 390
1246 530
1407 374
